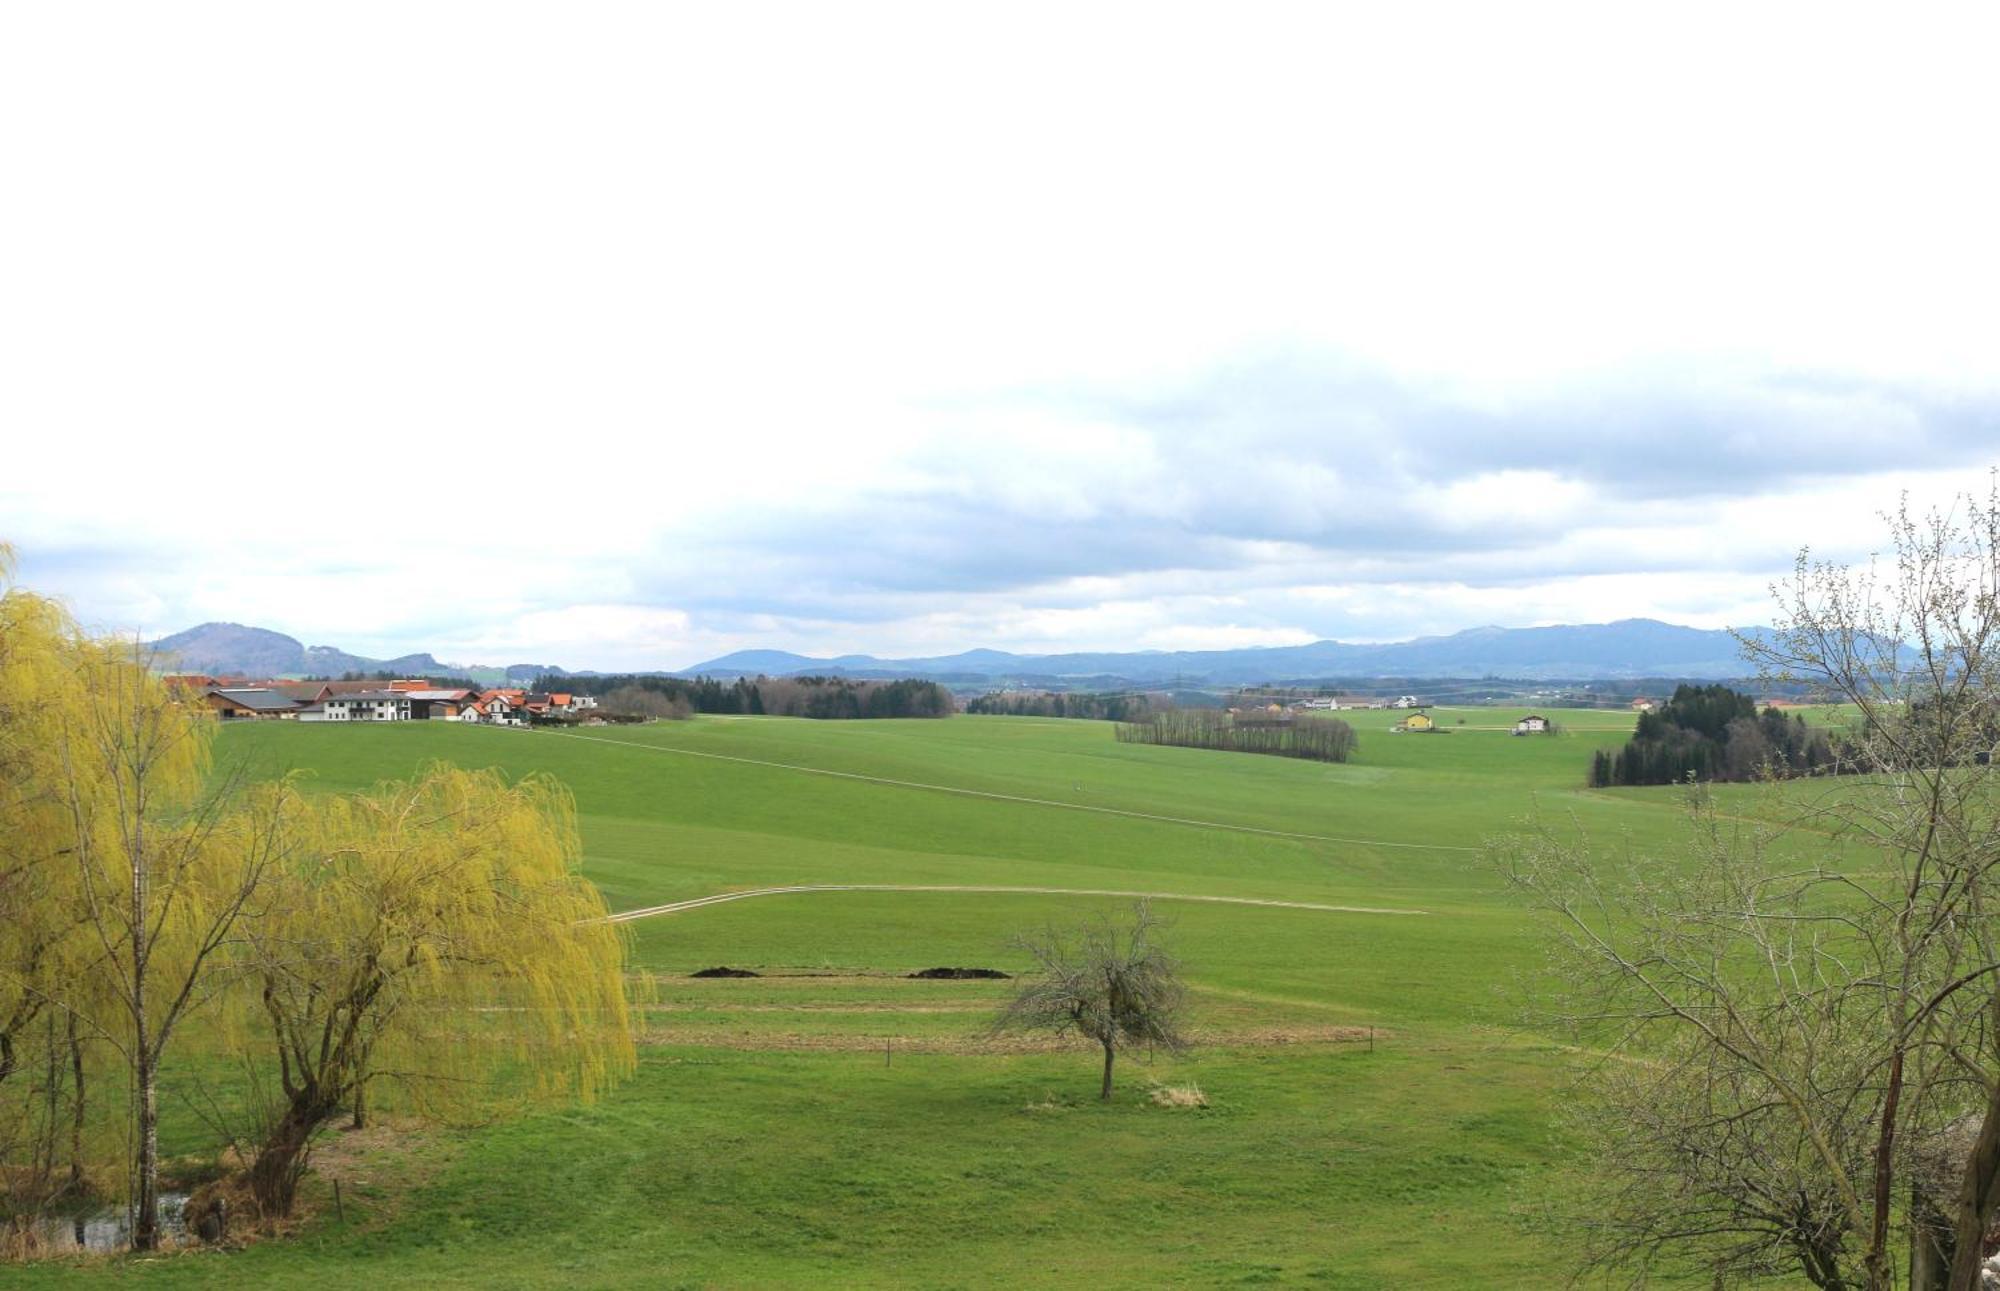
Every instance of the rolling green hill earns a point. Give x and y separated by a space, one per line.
835 1121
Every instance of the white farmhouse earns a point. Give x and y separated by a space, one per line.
368 706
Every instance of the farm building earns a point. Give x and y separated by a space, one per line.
1532 724
302 692
1417 721
237 704
431 703
1642 705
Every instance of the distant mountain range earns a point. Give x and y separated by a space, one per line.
233 649
1629 648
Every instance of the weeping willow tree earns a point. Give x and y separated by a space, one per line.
433 944
47 1060
431 940
37 940
125 872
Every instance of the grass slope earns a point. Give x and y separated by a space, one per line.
839 1123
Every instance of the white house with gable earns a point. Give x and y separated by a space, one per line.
368 706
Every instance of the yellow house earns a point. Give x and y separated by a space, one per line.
1416 722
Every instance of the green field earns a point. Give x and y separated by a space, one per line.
836 1122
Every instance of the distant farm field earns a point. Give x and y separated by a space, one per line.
834 1121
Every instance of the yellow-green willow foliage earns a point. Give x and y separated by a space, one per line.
119 878
165 864
36 946
49 1147
433 944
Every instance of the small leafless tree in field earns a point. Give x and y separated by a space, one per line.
1799 1048
1112 981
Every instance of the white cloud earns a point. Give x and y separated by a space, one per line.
627 338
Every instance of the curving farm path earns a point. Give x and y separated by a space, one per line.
676 907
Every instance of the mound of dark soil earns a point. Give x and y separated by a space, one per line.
961 974
725 972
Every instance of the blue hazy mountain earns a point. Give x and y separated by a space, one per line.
1627 648
1590 651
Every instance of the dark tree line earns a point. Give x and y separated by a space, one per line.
1321 739
1713 733
1114 707
384 675
817 697
1947 731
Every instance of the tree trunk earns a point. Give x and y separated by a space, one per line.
146 1192
1877 1258
1976 1200
146 1057
1822 1269
360 1120
76 1111
274 1175
1930 1244
1105 1093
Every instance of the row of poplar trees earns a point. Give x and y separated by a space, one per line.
173 928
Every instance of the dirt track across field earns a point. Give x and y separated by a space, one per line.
678 907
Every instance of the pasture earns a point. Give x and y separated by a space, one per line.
834 1121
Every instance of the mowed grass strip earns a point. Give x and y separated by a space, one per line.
737 1168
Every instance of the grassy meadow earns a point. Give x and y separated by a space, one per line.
836 1122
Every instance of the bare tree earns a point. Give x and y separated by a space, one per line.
1826 1022
637 701
1113 982
1727 1091
164 866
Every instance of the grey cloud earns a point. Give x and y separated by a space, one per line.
1658 431
1287 470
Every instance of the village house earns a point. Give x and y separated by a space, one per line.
1417 721
401 700
498 708
1532 724
365 706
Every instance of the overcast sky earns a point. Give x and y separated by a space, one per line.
627 335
